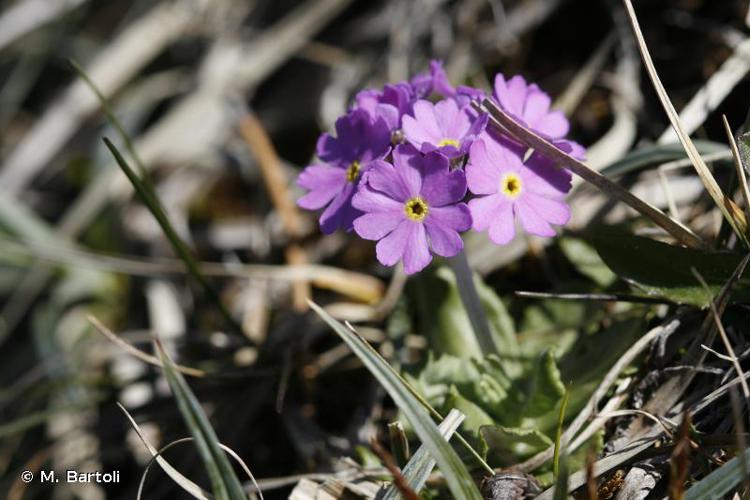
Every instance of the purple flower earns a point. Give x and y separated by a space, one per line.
508 189
440 82
462 94
422 85
411 206
393 102
443 127
530 106
359 140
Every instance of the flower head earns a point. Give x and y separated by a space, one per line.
412 206
508 189
445 127
359 140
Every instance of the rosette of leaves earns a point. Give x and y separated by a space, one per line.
512 400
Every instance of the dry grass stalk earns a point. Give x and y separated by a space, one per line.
501 119
741 174
729 209
146 358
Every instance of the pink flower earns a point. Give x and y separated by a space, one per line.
530 106
445 127
412 206
509 190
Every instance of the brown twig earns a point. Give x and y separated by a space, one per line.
260 145
679 464
399 481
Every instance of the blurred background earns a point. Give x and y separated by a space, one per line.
224 100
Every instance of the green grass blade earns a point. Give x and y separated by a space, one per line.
107 108
182 250
418 469
457 477
224 481
561 480
719 482
649 156
558 433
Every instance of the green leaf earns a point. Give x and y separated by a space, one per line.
505 445
587 261
476 417
457 477
445 323
653 155
546 388
664 270
721 481
224 481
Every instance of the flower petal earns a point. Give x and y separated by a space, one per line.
390 249
368 200
416 253
531 221
383 176
323 182
552 211
340 214
487 209
443 240
456 217
376 225
409 166
422 127
554 125
440 185
511 94
536 106
503 229
541 176
452 123
482 176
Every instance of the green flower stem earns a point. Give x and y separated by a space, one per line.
474 308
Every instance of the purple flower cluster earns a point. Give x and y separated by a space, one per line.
398 168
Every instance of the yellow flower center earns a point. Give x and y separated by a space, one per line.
353 171
416 209
449 142
510 185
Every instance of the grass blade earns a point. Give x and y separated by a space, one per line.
456 475
182 250
561 480
418 469
185 483
558 435
224 481
729 209
741 174
721 481
107 108
136 353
